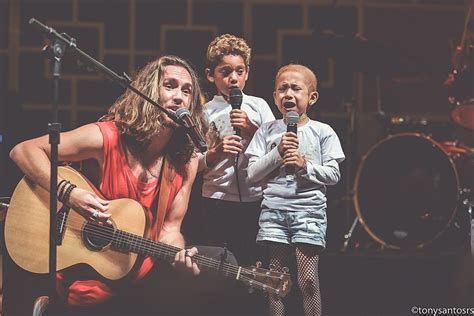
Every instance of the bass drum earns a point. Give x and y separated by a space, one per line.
408 189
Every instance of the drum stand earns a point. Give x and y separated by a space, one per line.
351 114
348 236
380 115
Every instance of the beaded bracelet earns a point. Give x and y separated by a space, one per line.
65 197
61 182
61 191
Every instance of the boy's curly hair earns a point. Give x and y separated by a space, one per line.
224 45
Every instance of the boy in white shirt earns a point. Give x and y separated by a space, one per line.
231 203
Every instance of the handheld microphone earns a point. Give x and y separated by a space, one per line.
185 116
291 119
235 98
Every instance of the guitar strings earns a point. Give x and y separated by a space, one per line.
102 233
207 262
214 264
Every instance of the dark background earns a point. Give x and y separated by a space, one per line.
369 55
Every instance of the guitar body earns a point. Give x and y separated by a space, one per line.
111 249
27 231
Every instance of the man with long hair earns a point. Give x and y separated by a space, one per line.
129 148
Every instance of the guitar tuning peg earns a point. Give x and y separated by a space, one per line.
271 267
285 270
258 264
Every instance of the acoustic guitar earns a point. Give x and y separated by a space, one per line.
111 249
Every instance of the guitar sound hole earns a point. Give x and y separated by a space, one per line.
97 236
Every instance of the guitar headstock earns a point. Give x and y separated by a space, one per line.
272 282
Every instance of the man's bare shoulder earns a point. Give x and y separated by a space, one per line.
83 142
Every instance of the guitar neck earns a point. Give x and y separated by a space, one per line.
133 243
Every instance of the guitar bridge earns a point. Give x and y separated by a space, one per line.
61 220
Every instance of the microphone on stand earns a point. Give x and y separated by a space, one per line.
185 116
235 98
291 119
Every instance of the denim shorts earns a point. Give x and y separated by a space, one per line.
290 227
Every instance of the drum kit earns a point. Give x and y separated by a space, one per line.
411 188
412 201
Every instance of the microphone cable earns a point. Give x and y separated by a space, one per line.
237 178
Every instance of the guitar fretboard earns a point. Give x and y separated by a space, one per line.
133 243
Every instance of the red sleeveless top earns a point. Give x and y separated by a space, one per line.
118 181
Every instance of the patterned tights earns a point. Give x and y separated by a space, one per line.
307 261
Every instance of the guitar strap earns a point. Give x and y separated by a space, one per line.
166 179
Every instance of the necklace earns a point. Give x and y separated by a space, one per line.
158 164
144 173
152 174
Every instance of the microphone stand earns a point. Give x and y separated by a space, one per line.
56 51
123 80
54 128
58 47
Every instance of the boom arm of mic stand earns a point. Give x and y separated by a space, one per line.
124 80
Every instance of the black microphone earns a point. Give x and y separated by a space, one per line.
235 98
185 116
291 119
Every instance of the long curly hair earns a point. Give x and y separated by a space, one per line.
139 121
